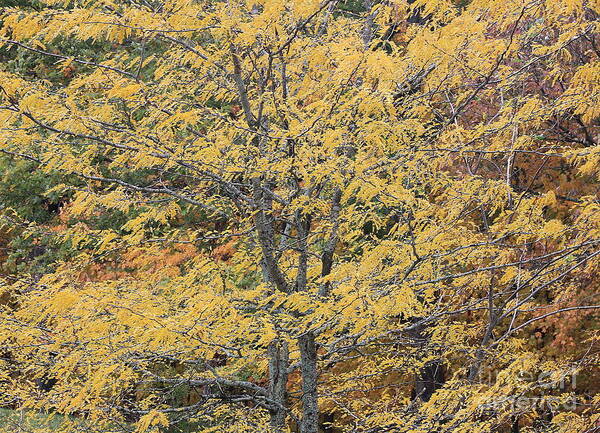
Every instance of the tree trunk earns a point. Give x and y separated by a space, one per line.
308 367
429 379
278 365
367 32
431 376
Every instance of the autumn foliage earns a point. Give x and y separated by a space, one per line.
300 216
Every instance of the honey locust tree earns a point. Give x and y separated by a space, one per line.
397 201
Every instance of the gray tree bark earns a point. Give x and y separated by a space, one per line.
278 376
308 368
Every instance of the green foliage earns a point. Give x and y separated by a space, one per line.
23 189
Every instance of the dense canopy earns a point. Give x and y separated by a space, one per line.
300 216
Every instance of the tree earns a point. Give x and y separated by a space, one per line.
329 208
